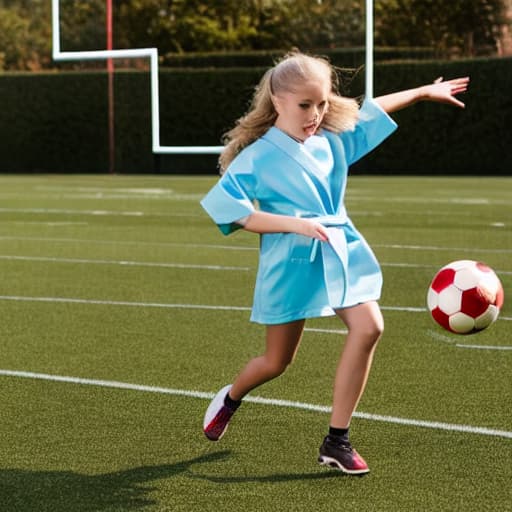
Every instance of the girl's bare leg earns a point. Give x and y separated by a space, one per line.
282 342
365 326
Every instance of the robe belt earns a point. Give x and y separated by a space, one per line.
327 221
334 256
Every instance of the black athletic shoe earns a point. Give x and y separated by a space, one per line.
339 454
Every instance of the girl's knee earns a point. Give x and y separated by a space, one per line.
364 321
376 330
370 333
276 367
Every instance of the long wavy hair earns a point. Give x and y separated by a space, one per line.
293 70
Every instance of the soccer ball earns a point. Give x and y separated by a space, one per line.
465 297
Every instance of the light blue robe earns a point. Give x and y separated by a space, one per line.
299 277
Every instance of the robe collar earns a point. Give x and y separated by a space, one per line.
300 154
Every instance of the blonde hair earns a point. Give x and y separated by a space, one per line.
293 69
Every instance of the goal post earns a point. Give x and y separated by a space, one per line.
369 49
152 55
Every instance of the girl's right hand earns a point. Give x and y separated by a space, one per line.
313 229
263 222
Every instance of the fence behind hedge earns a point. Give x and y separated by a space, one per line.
57 122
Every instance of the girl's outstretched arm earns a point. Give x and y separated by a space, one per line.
440 91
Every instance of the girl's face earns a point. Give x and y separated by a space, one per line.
300 113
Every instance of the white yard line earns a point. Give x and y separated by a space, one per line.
468 429
452 341
23 298
408 247
128 243
102 302
125 263
99 302
115 213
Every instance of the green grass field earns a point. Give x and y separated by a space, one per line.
119 280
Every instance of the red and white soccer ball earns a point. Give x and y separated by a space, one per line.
465 297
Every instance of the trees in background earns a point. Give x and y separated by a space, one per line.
458 27
198 26
455 28
25 34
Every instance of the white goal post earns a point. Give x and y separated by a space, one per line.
152 55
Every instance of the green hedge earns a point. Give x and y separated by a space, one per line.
343 57
439 139
57 122
53 122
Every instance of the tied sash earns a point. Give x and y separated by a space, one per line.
334 256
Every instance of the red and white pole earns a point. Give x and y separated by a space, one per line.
110 72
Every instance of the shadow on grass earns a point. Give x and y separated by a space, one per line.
274 478
67 491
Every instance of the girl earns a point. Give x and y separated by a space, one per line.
290 153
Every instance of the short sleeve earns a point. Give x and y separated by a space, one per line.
373 127
230 199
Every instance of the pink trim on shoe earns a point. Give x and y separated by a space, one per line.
217 416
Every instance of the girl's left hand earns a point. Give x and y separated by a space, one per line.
445 92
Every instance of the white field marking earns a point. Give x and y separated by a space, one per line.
43 223
407 309
422 310
179 265
406 265
165 265
69 212
96 212
450 341
128 242
69 300
175 197
120 193
93 302
440 248
418 265
474 201
235 248
139 190
468 429
468 216
122 263
327 331
252 248
101 196
484 347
